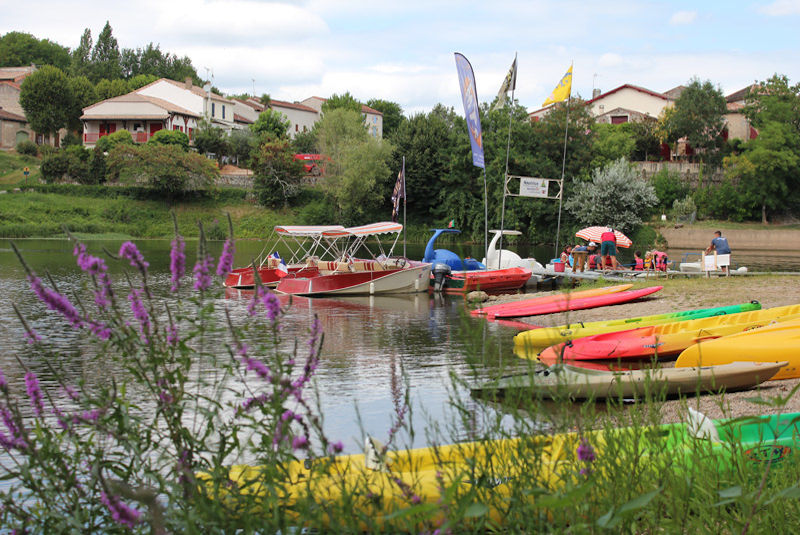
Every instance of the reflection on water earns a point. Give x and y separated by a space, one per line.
373 345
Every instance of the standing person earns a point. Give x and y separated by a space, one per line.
608 248
638 261
720 245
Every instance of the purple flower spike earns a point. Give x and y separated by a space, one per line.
336 447
140 313
272 306
97 268
34 393
121 513
32 336
177 261
202 274
585 451
226 258
55 301
172 335
128 251
3 382
300 443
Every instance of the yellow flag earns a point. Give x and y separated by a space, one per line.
562 90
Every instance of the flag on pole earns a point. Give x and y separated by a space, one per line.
399 192
509 84
281 271
451 224
469 95
562 90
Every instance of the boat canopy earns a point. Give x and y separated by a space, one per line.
306 230
386 227
353 238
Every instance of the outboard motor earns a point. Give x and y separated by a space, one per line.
440 272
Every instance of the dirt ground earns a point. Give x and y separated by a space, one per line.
684 294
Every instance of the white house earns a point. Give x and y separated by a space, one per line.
373 119
621 105
301 117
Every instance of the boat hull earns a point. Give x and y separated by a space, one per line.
242 278
490 280
581 303
411 279
542 299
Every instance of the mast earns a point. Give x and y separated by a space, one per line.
505 174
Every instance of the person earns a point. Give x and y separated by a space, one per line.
638 261
649 264
660 260
608 248
579 254
565 254
592 258
719 244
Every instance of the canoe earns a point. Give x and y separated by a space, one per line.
667 339
771 343
545 337
568 304
494 468
492 309
562 380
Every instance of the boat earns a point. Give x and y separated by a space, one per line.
452 274
547 336
497 469
304 242
349 275
492 310
667 339
563 380
503 258
568 304
774 342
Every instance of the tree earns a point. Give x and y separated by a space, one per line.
105 56
81 57
83 95
645 134
18 48
106 89
392 115
276 173
612 142
699 116
271 123
241 143
305 142
141 80
174 138
774 100
265 100
615 196
345 101
46 97
209 139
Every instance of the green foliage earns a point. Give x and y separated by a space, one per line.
108 142
724 201
774 100
344 101
276 173
612 142
241 143
105 56
141 80
305 142
97 167
668 188
209 139
55 166
106 89
18 48
150 63
47 99
81 58
648 145
83 95
27 147
170 137
698 115
271 123
684 208
616 196
392 115
167 169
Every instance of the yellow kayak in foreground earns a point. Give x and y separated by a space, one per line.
771 343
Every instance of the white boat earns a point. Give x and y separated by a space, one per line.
503 258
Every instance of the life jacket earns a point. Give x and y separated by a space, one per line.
660 260
608 236
639 265
592 261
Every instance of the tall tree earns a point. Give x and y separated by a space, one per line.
18 49
106 56
775 100
81 62
276 173
392 115
271 123
111 88
83 94
698 116
345 100
46 97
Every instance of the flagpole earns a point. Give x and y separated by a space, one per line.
505 175
563 166
485 216
404 207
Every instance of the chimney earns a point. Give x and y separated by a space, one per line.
596 92
188 82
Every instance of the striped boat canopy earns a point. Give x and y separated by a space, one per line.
309 230
386 227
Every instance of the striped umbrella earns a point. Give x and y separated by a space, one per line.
594 234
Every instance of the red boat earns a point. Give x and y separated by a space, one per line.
488 280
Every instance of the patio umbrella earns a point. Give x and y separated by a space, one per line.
594 234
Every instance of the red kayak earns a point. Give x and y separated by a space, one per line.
492 310
580 303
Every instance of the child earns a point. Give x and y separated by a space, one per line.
638 261
648 261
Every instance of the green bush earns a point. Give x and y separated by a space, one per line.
170 137
97 168
724 201
669 188
27 147
71 139
55 167
121 137
47 150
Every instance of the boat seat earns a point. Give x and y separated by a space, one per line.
333 266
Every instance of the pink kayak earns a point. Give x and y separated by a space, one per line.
564 305
492 310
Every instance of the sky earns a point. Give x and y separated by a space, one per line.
403 51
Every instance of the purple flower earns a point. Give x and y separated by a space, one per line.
128 251
121 513
226 258
172 335
255 401
97 268
300 443
55 301
32 336
34 393
259 367
271 305
202 274
72 393
3 382
585 451
140 313
88 416
177 261
287 416
10 443
336 447
165 397
11 425
100 330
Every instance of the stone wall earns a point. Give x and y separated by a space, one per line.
689 172
786 242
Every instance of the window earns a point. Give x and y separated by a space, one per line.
296 127
223 111
191 132
619 119
213 109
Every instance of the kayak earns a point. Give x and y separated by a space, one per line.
494 469
492 309
562 380
771 343
667 339
547 336
570 303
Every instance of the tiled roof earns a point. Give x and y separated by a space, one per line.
8 116
12 84
741 94
256 106
675 92
197 90
629 86
135 97
239 119
16 74
291 105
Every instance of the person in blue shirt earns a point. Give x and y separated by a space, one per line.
720 245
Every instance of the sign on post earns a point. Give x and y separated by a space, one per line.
533 187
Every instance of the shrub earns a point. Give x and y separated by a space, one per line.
47 150
120 137
170 137
684 209
668 187
97 167
55 167
71 139
27 147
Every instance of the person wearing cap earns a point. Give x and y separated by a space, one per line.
720 245
608 248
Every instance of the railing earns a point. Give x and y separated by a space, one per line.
138 137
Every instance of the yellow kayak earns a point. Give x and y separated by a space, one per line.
547 336
772 343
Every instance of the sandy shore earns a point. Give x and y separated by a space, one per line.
683 294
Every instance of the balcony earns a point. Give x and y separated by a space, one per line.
92 137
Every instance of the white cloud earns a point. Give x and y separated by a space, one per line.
683 17
781 7
610 60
